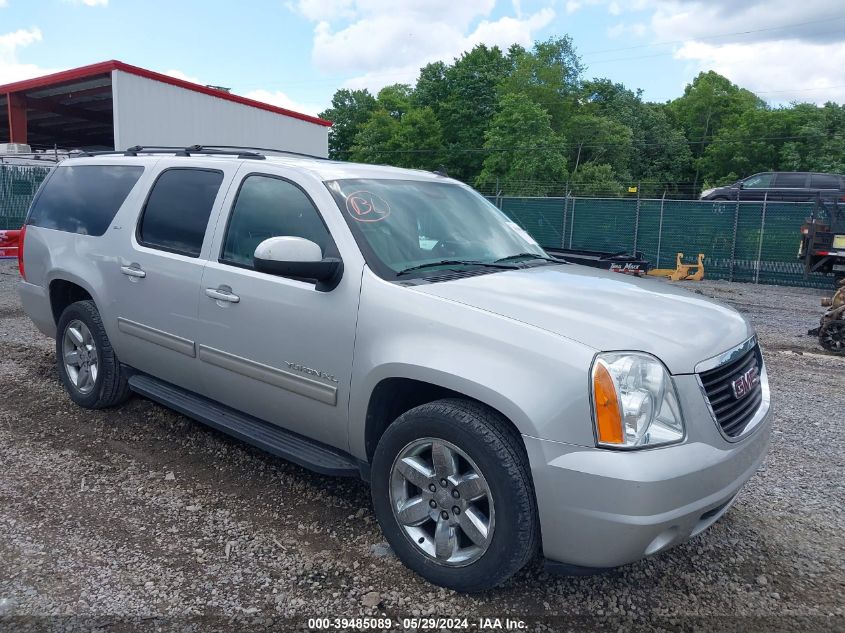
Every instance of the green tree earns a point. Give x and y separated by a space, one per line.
660 156
599 139
374 141
548 74
708 104
432 86
534 163
418 141
413 141
395 99
468 108
596 180
350 110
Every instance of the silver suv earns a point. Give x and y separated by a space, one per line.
394 325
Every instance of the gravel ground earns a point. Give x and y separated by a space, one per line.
140 518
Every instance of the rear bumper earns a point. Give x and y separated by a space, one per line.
36 304
600 508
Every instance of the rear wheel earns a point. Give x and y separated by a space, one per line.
88 366
453 494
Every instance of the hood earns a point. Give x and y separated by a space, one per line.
606 311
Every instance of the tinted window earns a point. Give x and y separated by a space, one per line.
824 181
758 181
270 207
84 198
791 180
176 214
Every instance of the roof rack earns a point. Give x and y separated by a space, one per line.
217 150
176 151
264 149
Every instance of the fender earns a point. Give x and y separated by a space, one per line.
533 377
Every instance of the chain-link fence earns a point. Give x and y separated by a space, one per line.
746 241
18 184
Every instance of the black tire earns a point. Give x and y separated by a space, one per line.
110 387
832 336
500 455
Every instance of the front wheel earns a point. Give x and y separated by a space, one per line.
453 495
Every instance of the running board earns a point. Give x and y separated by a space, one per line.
269 437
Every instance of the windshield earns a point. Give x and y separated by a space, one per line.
411 224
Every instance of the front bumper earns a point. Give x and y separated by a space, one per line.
602 508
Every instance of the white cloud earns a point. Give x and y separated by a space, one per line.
281 99
614 9
387 41
4 3
779 71
722 21
178 74
11 68
572 6
781 49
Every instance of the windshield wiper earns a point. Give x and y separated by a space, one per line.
457 262
532 255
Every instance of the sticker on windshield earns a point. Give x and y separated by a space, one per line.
522 232
365 206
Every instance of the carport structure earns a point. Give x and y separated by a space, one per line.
113 105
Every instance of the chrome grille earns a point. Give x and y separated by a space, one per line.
733 413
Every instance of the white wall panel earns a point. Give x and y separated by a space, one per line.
148 112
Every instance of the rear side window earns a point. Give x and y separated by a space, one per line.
758 181
791 180
824 181
84 198
176 214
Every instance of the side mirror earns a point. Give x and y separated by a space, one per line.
296 257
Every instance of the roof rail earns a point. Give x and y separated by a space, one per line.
177 151
262 149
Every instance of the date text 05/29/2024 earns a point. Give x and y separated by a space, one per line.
418 624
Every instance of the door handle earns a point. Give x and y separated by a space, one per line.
222 295
133 271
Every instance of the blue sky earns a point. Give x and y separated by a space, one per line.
296 53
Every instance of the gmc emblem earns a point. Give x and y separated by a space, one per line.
743 385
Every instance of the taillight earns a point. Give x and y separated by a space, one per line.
20 251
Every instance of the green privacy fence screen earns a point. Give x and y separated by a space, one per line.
18 184
749 241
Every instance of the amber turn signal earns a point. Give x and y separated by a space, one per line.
608 411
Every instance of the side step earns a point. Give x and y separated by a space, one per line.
269 437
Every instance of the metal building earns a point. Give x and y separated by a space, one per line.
113 105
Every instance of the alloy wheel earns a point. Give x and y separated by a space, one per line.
79 353
442 502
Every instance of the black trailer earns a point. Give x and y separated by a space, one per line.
620 262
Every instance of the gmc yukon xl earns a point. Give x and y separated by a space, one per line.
393 324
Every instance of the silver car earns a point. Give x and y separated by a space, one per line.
394 325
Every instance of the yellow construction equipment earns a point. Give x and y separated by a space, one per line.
682 270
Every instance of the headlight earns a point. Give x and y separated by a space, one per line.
706 192
634 401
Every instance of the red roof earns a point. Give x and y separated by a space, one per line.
84 72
